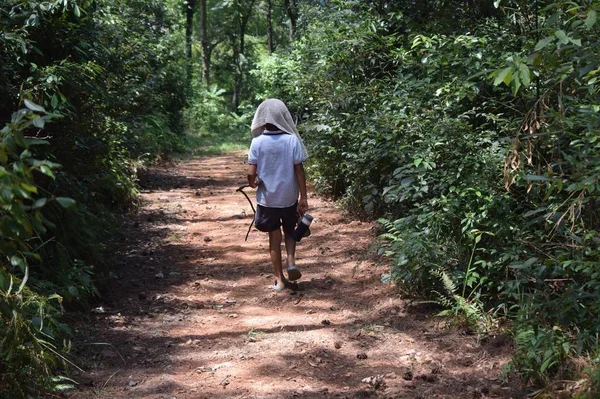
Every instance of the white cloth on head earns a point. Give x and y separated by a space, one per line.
275 112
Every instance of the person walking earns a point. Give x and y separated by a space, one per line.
275 169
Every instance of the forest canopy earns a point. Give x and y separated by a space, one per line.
469 129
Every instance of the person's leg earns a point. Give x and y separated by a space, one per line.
288 221
290 249
275 251
268 220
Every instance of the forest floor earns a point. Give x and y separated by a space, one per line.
190 313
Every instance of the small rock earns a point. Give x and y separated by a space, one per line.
376 381
361 355
132 384
337 344
159 275
408 375
325 322
207 239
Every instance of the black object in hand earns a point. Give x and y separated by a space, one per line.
302 228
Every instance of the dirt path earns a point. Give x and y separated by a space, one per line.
190 312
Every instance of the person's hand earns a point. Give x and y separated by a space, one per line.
302 206
252 181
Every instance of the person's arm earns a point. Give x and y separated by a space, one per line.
301 178
252 175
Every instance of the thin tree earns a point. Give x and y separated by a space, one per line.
269 26
204 44
291 7
243 12
190 8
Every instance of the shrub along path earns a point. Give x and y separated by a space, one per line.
190 313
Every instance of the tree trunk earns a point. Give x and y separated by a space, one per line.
269 28
291 7
190 7
204 45
237 88
238 53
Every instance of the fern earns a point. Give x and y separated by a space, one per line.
465 311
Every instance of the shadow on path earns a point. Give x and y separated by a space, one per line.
190 313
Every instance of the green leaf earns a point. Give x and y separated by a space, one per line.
562 36
18 261
516 84
54 101
29 187
525 75
386 278
73 291
590 21
544 42
47 171
38 122
536 178
40 203
66 202
502 75
549 362
34 107
76 11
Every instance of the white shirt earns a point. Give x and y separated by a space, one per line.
275 154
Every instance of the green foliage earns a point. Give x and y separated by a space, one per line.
114 72
212 128
30 345
541 353
476 135
30 332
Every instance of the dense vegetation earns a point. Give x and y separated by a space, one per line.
474 132
90 91
471 132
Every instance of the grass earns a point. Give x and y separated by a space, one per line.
216 143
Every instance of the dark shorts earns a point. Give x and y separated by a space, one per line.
270 219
